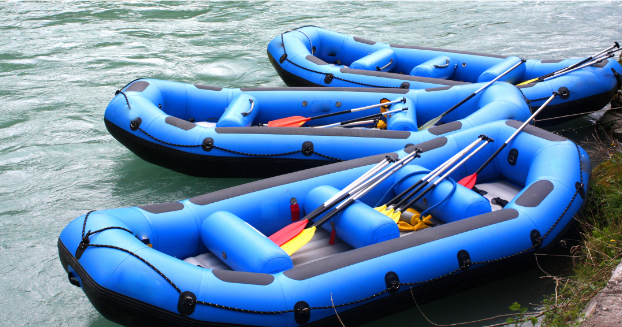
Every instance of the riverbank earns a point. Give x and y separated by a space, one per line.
597 254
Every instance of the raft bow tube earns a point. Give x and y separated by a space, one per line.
312 56
149 265
209 131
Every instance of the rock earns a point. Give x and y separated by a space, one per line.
605 309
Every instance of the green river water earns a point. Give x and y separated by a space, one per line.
61 62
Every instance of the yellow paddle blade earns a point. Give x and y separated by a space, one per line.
299 241
395 216
529 81
381 209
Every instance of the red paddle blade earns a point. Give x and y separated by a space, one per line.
288 232
468 181
294 121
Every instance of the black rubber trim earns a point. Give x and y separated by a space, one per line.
550 61
180 123
442 88
427 145
445 128
600 64
316 60
231 192
346 132
326 89
401 76
535 131
137 86
241 277
163 207
362 40
210 88
399 46
206 165
535 194
415 239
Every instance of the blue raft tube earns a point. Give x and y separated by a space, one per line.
215 132
312 56
206 261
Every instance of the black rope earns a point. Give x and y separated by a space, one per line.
238 152
126 100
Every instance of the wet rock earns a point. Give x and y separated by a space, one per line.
605 309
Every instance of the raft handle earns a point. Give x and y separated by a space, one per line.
252 106
442 66
385 66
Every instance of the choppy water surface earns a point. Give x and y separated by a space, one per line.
60 64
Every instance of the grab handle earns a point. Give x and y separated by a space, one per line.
248 112
385 66
442 66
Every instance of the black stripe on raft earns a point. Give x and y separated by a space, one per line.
442 88
535 131
163 207
362 40
137 86
399 46
535 194
551 61
445 128
401 76
180 123
231 192
210 88
387 247
427 145
347 132
326 89
241 277
316 60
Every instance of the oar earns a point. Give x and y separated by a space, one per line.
296 121
395 214
347 122
595 61
293 229
305 236
439 180
470 180
387 209
435 120
541 78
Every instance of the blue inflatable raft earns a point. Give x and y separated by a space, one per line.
205 261
210 131
312 56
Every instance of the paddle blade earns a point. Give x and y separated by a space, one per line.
468 181
396 216
294 121
288 232
381 209
299 241
430 123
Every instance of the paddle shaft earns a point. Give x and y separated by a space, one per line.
362 118
479 170
360 194
473 94
597 60
357 109
430 174
431 187
541 78
423 184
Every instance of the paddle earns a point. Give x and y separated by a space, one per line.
438 181
541 78
595 61
285 234
297 121
347 122
387 209
435 120
470 180
305 236
395 214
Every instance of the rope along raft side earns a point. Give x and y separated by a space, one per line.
207 259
